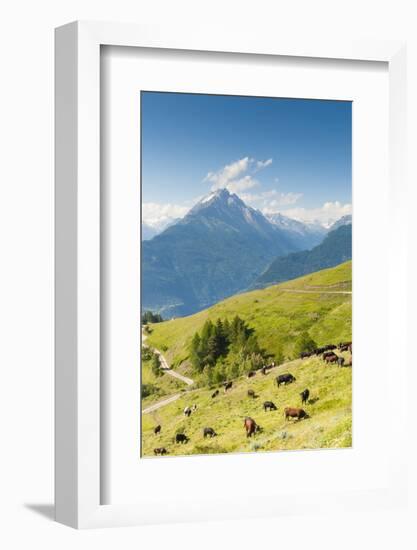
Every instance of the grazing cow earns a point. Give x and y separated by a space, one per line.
340 361
285 379
331 358
305 354
251 373
344 346
187 411
266 368
304 396
328 354
209 432
215 394
227 386
294 412
250 426
160 451
157 429
269 406
251 393
181 438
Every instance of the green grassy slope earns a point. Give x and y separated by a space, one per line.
276 315
329 424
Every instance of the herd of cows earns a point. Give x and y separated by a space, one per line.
328 355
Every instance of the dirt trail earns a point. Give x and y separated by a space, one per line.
167 370
162 403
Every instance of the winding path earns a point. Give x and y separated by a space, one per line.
167 370
162 403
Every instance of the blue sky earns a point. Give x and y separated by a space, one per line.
286 155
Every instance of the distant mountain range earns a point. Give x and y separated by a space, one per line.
148 232
304 235
218 249
344 220
335 249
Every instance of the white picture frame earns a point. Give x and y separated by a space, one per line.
78 405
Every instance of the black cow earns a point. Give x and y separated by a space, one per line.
181 438
251 373
305 354
251 393
215 394
227 386
269 406
340 361
160 451
157 429
304 396
209 432
286 378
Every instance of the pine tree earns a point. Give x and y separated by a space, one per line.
195 353
221 337
156 365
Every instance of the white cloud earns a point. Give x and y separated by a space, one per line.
247 182
326 214
237 176
159 215
270 201
263 164
228 173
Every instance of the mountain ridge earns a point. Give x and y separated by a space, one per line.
335 249
218 248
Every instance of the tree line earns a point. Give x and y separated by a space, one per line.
225 349
151 317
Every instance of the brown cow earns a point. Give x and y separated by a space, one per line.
251 393
331 358
250 426
295 412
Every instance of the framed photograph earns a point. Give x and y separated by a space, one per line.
227 227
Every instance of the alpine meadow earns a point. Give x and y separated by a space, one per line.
246 274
